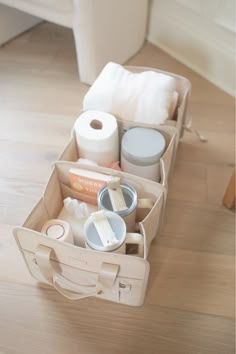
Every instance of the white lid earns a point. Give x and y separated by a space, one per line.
55 231
143 146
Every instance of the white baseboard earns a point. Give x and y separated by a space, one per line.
14 22
198 47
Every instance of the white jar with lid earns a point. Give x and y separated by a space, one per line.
141 150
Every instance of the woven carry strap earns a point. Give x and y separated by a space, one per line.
69 289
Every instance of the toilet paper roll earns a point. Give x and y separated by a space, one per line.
58 230
97 137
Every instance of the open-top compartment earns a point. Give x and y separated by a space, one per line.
71 151
172 129
77 269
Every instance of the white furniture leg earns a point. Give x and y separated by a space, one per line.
104 30
107 30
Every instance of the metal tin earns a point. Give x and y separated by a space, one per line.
130 196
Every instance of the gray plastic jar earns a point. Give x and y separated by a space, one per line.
141 150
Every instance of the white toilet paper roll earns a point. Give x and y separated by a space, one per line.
97 137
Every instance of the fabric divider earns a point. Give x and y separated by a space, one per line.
71 152
58 188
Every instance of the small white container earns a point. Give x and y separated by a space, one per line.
141 150
58 230
93 239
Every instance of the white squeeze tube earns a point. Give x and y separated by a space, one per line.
97 137
76 213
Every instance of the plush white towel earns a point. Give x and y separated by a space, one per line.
142 97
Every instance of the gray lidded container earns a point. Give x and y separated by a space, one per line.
141 150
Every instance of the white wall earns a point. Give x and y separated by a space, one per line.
13 22
199 33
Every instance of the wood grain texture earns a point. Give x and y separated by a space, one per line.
17 198
189 306
230 193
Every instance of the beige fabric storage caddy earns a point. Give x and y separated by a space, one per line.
78 272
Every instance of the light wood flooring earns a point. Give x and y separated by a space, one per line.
189 305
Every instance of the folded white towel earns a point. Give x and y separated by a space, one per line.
142 97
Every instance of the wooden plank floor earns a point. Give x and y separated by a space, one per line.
189 306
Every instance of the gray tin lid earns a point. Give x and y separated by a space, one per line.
143 146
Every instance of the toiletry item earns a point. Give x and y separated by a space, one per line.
97 137
76 213
141 150
107 200
148 97
87 183
105 231
58 230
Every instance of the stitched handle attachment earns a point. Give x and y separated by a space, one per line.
66 287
